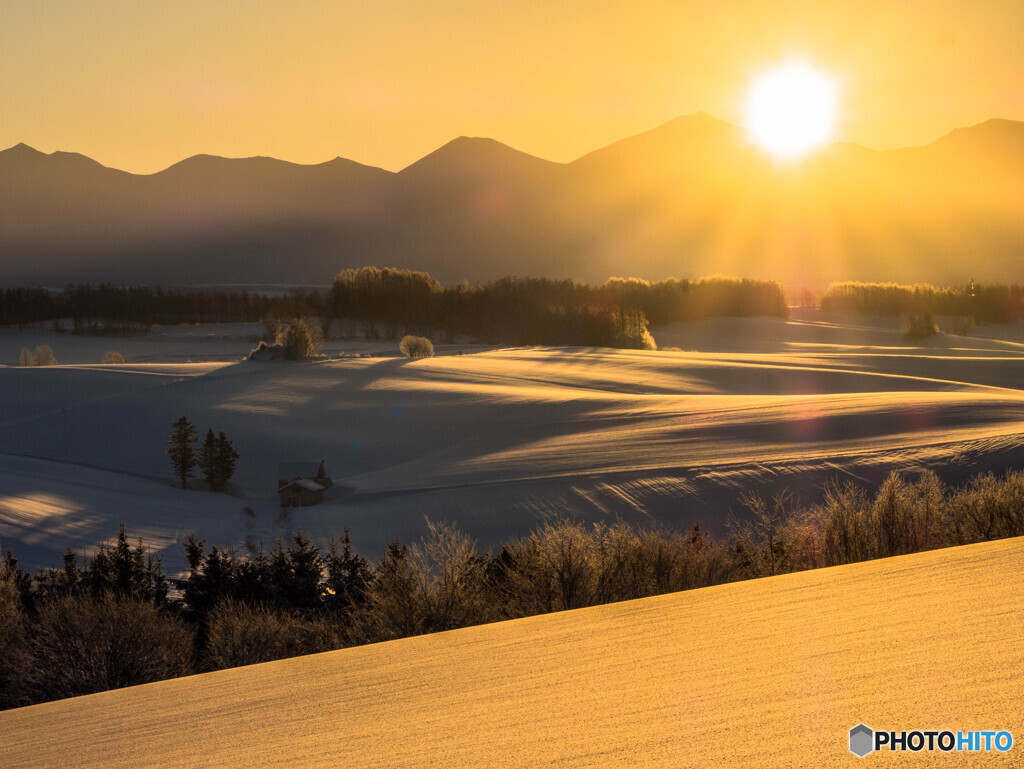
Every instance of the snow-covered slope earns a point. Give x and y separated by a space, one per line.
499 439
767 673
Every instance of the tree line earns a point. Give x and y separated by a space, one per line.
107 309
516 310
389 303
112 619
993 303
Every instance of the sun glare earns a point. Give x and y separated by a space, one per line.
791 110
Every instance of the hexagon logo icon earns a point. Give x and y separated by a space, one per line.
862 740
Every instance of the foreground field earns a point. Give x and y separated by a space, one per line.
499 439
768 673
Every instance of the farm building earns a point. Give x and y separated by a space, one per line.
301 493
302 483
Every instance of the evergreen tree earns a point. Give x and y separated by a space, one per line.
208 460
348 575
181 449
297 574
225 458
217 458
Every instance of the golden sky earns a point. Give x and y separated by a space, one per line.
140 85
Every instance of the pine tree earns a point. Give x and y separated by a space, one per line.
348 575
181 449
208 460
225 458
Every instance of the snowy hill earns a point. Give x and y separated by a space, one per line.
768 673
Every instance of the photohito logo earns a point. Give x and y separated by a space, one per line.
865 740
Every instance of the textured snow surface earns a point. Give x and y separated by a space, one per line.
498 439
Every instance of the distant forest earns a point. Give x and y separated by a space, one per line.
112 619
994 303
386 303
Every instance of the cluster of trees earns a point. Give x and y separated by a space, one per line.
43 356
540 310
293 340
994 303
216 457
108 620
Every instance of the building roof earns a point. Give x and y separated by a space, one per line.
289 470
304 483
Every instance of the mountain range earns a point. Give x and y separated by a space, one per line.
689 198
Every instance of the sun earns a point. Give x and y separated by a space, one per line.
791 110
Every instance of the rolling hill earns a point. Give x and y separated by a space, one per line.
770 673
688 198
495 441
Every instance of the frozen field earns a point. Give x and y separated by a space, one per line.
495 439
766 673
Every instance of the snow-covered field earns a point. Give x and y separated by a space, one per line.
494 439
766 673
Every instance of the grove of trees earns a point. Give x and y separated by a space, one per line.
216 457
994 303
389 303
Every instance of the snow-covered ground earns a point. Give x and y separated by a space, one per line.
494 440
767 673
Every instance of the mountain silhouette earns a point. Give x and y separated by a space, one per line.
688 198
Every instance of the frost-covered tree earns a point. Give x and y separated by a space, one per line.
26 358
112 356
298 342
416 347
181 448
44 356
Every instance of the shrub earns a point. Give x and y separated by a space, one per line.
112 356
240 634
919 324
416 347
91 643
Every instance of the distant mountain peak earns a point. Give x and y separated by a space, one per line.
22 149
25 157
474 152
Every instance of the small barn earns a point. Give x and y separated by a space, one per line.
311 471
301 493
302 483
